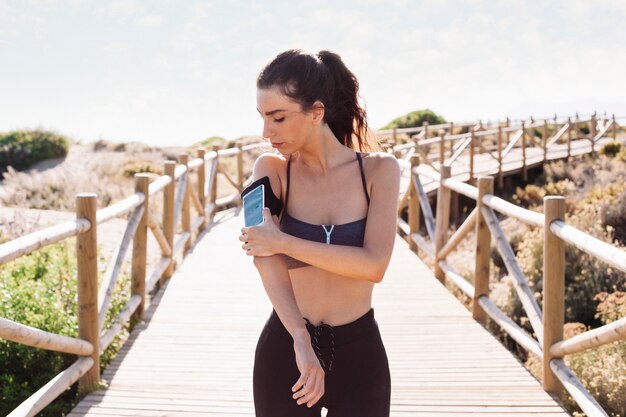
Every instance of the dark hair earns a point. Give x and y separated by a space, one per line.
323 77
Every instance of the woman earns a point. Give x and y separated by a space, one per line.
321 346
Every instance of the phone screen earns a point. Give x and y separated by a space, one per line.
253 204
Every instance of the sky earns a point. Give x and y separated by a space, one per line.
176 72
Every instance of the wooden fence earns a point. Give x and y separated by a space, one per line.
547 325
180 194
187 204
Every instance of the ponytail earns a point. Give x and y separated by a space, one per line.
324 77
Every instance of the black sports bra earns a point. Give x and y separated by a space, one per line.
348 234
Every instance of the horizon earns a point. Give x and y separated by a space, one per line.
171 75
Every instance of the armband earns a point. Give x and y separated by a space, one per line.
271 201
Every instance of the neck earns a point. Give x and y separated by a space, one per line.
322 152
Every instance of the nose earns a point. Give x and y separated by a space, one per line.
267 132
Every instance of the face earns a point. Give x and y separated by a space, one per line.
285 124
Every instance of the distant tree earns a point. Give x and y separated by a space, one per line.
415 119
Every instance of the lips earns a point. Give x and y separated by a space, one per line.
276 144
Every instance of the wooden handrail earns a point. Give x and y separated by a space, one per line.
57 386
590 339
591 245
121 207
110 276
33 241
510 327
576 389
30 336
524 292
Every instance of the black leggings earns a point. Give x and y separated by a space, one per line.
357 379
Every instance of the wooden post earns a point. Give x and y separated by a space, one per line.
471 159
200 188
442 137
451 141
483 252
213 196
508 134
186 207
140 246
442 220
592 131
394 136
553 289
87 267
240 177
614 127
414 206
524 172
425 125
169 196
545 140
569 137
500 174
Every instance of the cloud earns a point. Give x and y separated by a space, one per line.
149 20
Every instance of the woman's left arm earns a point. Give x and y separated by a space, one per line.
368 262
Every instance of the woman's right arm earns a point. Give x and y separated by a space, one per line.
275 277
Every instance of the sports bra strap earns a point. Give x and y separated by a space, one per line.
358 157
367 196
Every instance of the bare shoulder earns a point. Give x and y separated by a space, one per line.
382 166
269 164
273 166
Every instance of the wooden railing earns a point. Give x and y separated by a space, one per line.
443 144
180 194
188 204
547 325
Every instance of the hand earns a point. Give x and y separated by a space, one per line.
310 386
262 240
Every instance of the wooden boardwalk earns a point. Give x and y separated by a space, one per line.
487 164
194 353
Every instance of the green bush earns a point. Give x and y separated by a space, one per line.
415 119
213 140
23 148
585 275
39 290
584 128
603 370
611 148
136 167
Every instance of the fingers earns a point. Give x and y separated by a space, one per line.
267 215
312 390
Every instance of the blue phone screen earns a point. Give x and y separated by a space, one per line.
253 207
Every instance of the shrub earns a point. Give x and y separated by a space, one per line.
415 119
39 290
611 148
603 370
213 140
585 275
136 167
23 148
530 196
119 147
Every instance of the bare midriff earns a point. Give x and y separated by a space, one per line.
334 299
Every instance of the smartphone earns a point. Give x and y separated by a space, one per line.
253 203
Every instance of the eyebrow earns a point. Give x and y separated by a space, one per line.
269 113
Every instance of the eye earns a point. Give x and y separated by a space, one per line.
279 120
